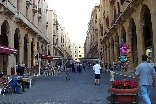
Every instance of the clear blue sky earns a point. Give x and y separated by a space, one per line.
74 15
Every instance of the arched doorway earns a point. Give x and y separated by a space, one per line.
117 47
16 43
32 52
112 49
4 41
147 31
26 42
109 51
123 34
105 52
133 37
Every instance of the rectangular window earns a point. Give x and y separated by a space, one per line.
79 55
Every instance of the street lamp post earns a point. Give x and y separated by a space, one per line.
15 53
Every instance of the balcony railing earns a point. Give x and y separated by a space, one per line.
20 18
29 2
34 8
8 7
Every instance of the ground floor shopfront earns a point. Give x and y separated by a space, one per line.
27 43
136 27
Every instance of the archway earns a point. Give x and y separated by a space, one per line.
109 51
123 34
26 43
147 31
32 52
133 37
16 43
117 47
4 41
112 49
106 60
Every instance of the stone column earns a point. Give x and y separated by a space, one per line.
140 43
29 54
10 44
35 50
153 20
21 49
128 38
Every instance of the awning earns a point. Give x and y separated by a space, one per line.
4 50
43 56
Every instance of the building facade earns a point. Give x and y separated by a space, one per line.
77 50
25 26
131 21
59 39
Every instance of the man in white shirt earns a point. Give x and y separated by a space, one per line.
96 69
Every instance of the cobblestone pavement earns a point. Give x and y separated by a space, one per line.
57 90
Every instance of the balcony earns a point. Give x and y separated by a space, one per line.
34 8
7 7
24 21
29 2
47 24
39 13
54 33
54 22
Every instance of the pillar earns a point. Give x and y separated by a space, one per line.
29 54
153 20
11 57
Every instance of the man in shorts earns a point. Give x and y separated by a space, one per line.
96 69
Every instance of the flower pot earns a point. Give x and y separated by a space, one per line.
124 95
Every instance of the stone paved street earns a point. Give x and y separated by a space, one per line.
57 90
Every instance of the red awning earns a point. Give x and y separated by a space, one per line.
4 50
43 56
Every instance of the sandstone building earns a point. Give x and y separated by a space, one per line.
24 26
132 21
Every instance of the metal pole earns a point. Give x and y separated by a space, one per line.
39 64
15 63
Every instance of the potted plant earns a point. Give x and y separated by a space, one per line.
124 90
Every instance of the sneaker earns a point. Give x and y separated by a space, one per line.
95 83
98 84
68 79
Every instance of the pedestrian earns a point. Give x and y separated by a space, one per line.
68 69
96 69
146 74
111 75
109 65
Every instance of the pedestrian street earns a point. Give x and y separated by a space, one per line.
80 89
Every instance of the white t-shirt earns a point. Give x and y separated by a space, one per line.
96 68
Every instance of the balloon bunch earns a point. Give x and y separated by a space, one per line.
123 59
